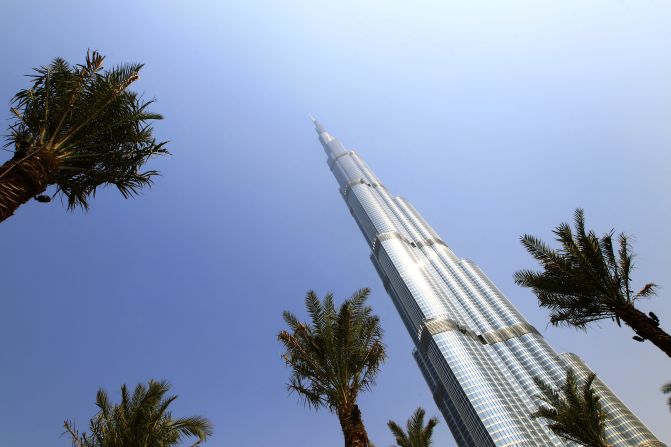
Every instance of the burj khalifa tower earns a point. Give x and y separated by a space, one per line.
476 351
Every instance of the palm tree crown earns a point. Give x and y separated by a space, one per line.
335 357
573 411
140 420
78 127
586 281
417 434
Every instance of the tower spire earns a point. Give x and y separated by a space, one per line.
331 145
318 127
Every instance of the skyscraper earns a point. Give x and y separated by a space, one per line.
476 352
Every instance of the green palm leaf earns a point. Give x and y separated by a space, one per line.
666 389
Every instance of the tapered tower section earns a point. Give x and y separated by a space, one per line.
476 352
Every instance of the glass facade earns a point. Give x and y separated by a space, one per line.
476 352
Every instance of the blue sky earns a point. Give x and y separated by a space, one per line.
493 118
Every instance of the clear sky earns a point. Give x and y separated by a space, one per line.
493 118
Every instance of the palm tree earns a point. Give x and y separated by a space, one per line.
417 434
140 420
78 127
585 281
666 389
335 357
573 411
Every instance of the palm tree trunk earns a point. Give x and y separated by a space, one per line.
23 177
645 327
352 427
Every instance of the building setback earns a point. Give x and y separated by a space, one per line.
475 350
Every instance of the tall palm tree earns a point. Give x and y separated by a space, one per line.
78 127
335 357
140 420
573 411
417 434
586 281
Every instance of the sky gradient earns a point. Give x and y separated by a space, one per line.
493 118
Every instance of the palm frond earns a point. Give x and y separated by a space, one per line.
625 264
400 436
666 389
649 289
315 309
196 426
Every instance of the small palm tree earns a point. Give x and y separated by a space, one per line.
335 357
140 420
573 411
417 435
586 281
666 389
78 128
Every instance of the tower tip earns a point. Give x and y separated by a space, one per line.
318 126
